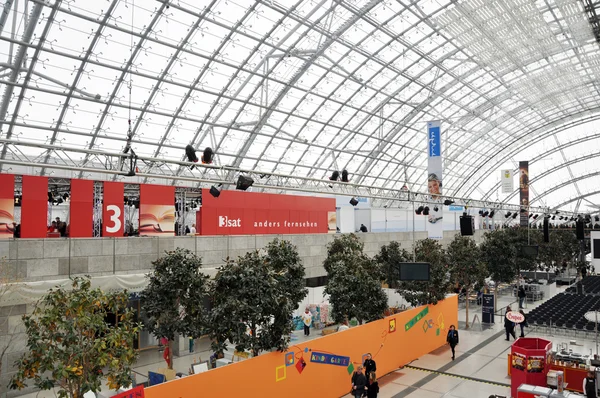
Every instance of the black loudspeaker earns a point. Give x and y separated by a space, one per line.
467 225
579 225
353 201
244 183
546 230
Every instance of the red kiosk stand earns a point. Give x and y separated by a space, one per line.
529 363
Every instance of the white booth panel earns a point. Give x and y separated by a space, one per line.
378 217
346 219
362 216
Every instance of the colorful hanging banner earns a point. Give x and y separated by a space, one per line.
507 181
7 205
112 209
34 208
435 219
81 209
157 210
524 192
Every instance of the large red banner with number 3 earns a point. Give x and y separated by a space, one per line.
112 209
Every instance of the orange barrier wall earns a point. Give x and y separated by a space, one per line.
393 342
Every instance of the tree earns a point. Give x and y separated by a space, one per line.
388 258
563 249
354 281
466 267
430 292
254 298
8 284
70 341
175 298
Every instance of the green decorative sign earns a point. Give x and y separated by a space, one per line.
350 368
416 319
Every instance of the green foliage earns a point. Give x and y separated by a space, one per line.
563 248
430 292
174 300
388 258
499 255
69 341
254 298
354 281
466 268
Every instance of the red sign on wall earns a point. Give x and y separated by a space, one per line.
157 210
7 205
112 209
137 392
248 213
34 208
81 217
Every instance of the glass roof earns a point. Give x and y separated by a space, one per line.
306 87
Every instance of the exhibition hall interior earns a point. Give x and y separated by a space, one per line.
329 198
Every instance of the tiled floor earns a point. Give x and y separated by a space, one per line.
481 354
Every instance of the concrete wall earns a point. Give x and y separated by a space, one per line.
49 259
54 259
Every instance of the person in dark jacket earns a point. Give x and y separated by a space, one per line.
359 383
370 366
589 386
452 339
373 386
523 324
509 326
522 296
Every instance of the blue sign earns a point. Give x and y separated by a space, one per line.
328 359
434 139
456 208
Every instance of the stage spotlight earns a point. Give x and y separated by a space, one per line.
345 176
515 215
596 218
419 210
435 208
190 153
353 201
535 216
481 212
426 211
492 214
216 191
530 215
553 218
335 176
507 214
485 214
560 218
66 196
448 202
207 156
243 183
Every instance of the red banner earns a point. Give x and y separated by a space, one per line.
81 211
112 209
7 205
157 210
248 213
34 207
137 392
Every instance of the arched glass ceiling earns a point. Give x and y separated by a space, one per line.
306 87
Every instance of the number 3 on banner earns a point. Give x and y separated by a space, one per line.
115 218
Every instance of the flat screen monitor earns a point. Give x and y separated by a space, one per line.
414 271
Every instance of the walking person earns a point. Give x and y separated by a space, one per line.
370 367
359 383
509 326
523 324
590 388
373 386
452 339
522 296
307 319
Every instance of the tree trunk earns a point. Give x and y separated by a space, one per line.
467 308
495 296
170 356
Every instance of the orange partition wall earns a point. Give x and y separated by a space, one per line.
329 360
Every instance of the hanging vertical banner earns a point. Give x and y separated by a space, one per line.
157 210
112 209
524 191
435 219
7 205
81 209
34 207
506 179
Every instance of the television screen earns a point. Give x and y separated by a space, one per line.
414 271
596 248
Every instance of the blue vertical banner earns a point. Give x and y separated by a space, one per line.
435 218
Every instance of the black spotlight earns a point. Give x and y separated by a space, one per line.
553 218
50 197
435 208
448 202
216 191
426 211
515 214
207 155
507 214
491 215
190 153
345 176
481 212
244 183
536 216
335 176
530 215
485 214
66 196
419 210
353 201
596 218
